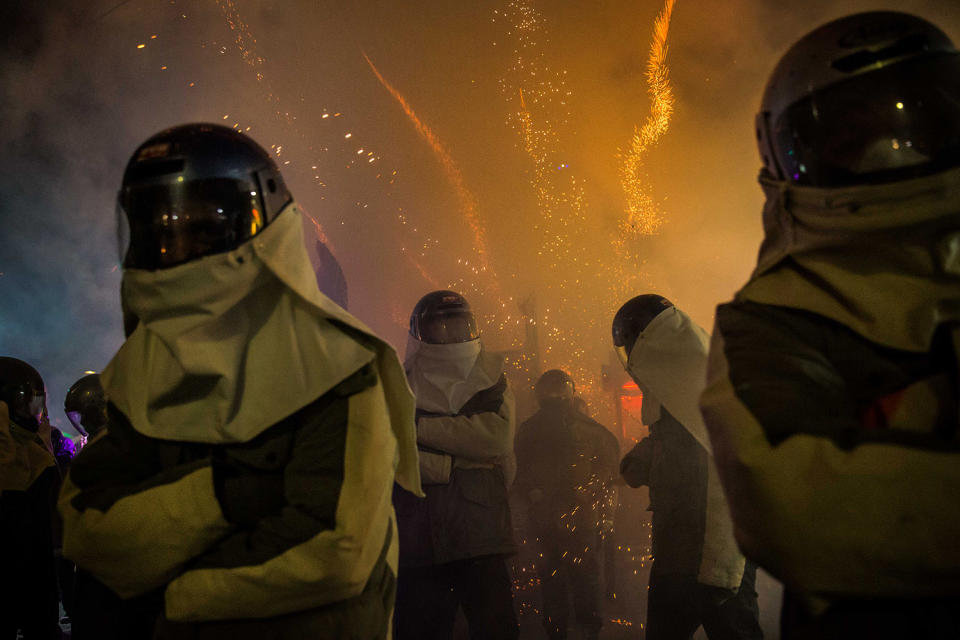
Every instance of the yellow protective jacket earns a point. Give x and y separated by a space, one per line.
277 529
255 434
832 392
466 511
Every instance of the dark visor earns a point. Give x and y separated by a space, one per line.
447 328
887 125
172 224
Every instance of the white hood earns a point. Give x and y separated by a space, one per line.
444 377
230 344
668 362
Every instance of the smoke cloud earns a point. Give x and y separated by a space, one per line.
83 83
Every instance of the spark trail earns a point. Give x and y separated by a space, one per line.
246 43
450 168
644 216
537 94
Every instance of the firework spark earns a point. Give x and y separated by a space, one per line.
538 95
643 215
454 175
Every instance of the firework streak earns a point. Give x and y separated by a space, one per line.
454 175
643 215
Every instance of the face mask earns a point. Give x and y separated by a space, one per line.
650 408
444 376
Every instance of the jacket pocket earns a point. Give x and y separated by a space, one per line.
481 486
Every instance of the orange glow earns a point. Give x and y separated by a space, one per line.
454 175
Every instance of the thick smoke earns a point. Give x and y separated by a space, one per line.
78 95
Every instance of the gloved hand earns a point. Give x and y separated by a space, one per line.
246 495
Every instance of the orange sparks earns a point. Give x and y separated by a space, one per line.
454 175
643 214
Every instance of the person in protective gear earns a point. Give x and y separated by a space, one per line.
566 464
86 406
832 398
698 576
453 544
242 485
28 485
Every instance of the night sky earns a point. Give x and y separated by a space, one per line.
79 93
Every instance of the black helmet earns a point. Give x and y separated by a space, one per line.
443 317
866 99
21 387
86 405
555 388
193 191
632 318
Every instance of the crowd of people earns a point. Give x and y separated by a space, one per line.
257 463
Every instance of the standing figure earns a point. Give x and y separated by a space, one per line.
28 483
83 596
832 396
566 464
698 576
242 485
454 543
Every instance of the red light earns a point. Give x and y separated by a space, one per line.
630 386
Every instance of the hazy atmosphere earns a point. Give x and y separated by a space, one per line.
510 187
549 160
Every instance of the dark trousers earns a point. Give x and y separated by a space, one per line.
566 572
428 599
872 619
100 614
678 605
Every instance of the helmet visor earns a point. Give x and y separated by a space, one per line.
168 224
887 125
76 421
447 327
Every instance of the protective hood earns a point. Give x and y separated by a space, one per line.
444 377
230 344
23 456
883 260
668 362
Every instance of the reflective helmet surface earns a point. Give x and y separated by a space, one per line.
22 389
867 99
443 317
632 318
86 405
555 388
193 191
